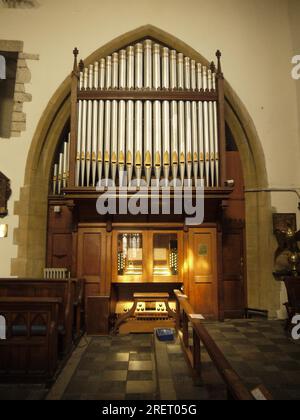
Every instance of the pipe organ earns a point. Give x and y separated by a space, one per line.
146 111
146 114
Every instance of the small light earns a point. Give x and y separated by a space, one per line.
3 231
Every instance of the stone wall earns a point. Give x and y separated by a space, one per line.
23 77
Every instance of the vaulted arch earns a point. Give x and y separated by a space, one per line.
30 237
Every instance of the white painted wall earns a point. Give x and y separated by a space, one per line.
256 38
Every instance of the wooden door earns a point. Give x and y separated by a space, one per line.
91 258
234 272
203 271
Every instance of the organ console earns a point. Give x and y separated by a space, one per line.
144 114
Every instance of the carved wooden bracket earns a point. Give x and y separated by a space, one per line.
5 193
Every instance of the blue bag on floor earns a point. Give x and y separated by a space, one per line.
165 334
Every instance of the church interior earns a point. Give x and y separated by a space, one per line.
149 200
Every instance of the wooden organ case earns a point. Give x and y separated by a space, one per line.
144 115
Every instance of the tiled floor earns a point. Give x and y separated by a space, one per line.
262 353
123 367
115 368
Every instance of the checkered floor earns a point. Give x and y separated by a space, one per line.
115 368
262 353
123 367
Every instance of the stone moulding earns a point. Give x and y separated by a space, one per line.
23 76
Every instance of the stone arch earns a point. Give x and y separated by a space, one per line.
30 237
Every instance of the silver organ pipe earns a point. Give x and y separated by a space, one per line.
60 172
122 69
187 73
148 140
148 112
107 120
139 66
138 131
195 140
138 140
107 134
174 139
100 130
130 115
200 121
102 73
165 68
114 118
95 126
55 179
89 129
114 139
115 71
206 128
121 140
65 165
193 74
174 115
148 64
84 128
166 115
156 67
211 131
130 67
173 69
121 117
157 113
79 134
157 139
129 140
147 137
181 140
216 134
188 140
166 139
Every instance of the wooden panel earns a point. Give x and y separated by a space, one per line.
29 353
60 226
203 289
98 311
91 261
236 202
91 254
233 272
91 258
61 252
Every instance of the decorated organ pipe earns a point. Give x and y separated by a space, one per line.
150 111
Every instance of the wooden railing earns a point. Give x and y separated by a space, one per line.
236 390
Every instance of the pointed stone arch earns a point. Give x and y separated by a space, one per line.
263 292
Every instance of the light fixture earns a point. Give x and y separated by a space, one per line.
3 230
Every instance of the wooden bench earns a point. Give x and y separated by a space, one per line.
292 285
29 352
70 291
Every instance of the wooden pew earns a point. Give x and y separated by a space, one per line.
70 291
292 285
29 352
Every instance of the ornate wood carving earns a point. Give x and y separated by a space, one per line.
5 193
282 221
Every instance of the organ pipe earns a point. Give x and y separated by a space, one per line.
147 137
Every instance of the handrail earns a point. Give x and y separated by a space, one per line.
234 384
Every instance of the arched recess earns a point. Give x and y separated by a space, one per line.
263 292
